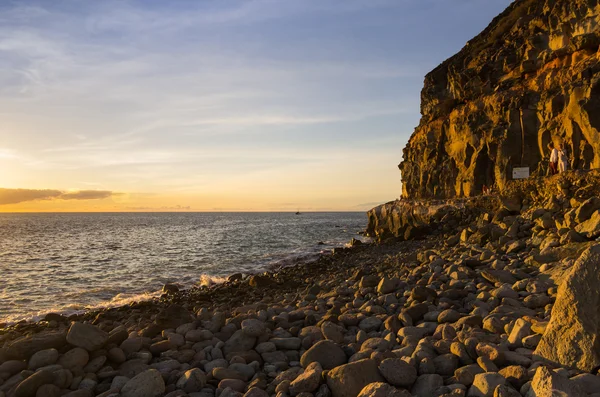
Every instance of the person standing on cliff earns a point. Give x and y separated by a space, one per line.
562 159
553 159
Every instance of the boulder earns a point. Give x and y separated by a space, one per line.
397 372
256 392
387 285
516 375
348 380
570 337
43 358
253 327
308 381
546 383
192 380
24 347
587 382
587 209
29 386
239 342
86 336
332 332
485 384
74 358
326 353
591 227
147 384
426 385
380 389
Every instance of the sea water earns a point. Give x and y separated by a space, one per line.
69 262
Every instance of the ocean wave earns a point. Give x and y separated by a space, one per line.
207 280
121 299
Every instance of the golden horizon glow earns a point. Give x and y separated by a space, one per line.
216 106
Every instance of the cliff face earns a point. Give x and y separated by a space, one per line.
532 77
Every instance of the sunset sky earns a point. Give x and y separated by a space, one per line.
278 105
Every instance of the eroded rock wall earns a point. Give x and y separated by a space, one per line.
531 77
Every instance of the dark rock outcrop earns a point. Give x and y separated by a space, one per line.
531 77
410 220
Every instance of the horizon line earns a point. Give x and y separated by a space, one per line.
175 211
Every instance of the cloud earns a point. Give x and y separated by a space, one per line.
15 196
88 195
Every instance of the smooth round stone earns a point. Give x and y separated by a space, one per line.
397 372
95 364
147 384
74 358
253 327
48 391
43 358
29 386
326 353
12 367
192 380
86 336
234 384
116 355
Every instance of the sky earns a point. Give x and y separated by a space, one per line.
216 105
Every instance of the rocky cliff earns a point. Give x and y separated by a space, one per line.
531 77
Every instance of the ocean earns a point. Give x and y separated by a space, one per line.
69 262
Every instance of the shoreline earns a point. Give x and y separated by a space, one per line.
467 306
79 304
167 294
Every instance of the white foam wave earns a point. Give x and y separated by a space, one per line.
206 280
118 300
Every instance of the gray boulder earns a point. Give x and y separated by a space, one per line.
192 380
426 385
326 353
398 372
239 342
86 336
147 384
349 380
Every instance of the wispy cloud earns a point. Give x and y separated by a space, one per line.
197 96
15 196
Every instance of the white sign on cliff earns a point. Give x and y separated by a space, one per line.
520 173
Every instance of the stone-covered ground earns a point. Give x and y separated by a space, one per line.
504 305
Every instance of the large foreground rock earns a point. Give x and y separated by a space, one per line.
348 380
571 338
545 383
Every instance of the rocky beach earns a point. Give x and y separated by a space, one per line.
472 301
460 294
